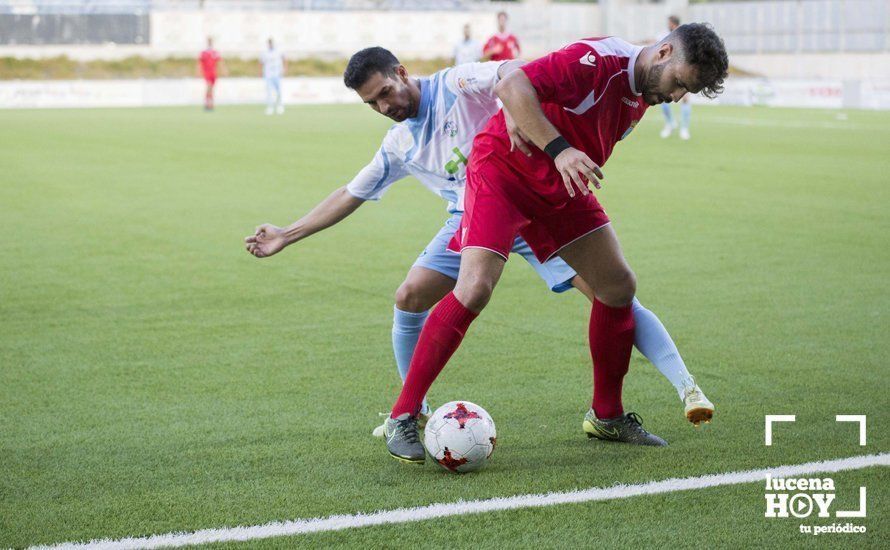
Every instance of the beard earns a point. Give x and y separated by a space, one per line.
651 85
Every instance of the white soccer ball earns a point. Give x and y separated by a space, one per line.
460 436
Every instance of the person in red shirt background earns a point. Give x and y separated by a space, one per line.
207 67
502 46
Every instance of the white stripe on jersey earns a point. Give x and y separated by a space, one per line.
605 47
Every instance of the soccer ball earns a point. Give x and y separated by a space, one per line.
460 436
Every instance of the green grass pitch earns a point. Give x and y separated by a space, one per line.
154 377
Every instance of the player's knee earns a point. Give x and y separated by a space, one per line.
620 291
411 298
474 293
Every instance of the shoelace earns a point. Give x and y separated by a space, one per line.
408 427
634 418
691 389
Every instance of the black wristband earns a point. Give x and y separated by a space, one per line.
557 146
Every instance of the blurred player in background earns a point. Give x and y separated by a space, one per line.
467 50
685 107
208 63
274 67
502 46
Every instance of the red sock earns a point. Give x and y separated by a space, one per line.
611 340
440 338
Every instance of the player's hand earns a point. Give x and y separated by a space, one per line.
577 170
266 241
517 138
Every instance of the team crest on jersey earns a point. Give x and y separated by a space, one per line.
464 82
450 128
629 128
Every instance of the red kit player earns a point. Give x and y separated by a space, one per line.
574 105
207 66
502 46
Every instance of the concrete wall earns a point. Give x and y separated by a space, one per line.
542 26
843 66
299 34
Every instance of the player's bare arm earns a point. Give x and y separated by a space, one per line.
520 99
269 239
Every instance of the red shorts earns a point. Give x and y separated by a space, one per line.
500 204
210 80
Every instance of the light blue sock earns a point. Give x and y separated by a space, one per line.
406 327
668 116
685 114
653 341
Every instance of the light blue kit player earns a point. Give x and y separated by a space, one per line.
436 121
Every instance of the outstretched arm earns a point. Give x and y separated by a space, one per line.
269 239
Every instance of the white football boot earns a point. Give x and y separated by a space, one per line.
697 407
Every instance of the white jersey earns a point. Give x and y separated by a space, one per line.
455 104
468 51
273 63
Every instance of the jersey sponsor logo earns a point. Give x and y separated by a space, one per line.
453 165
630 102
588 59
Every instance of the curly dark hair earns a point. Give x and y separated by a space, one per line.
367 62
703 49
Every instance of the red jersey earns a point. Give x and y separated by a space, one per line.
209 60
587 91
502 47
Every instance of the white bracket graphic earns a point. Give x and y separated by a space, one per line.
770 418
854 418
860 513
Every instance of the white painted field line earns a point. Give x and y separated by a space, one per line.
404 515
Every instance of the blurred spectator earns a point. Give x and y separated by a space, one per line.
685 107
468 50
274 67
207 67
502 45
